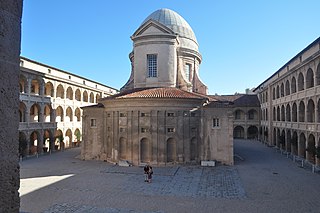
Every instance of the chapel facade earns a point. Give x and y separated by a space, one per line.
163 114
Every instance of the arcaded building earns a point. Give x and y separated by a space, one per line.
290 105
246 115
50 106
163 114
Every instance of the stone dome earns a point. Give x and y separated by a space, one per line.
173 21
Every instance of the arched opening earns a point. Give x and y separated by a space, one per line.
288 113
59 114
274 142
300 82
23 85
85 96
77 135
47 136
239 115
294 143
301 112
252 114
282 140
68 138
48 89
77 113
34 140
288 141
274 114
35 87
48 113
318 74
278 91
310 111
278 138
91 97
310 78
283 113
69 93
58 142
145 152
238 132
193 149
22 112
171 150
294 112
23 144
78 95
278 113
122 148
302 146
35 113
69 116
252 132
287 90
311 149
274 93
293 85
60 92
282 90
97 98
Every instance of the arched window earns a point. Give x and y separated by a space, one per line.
310 111
287 90
69 93
300 82
60 91
293 85
318 74
78 95
282 113
278 91
309 79
288 113
294 112
301 111
282 90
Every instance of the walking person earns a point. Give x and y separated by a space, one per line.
146 172
150 173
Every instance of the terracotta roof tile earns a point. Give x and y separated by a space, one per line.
159 92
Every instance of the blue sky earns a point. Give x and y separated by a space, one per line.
242 42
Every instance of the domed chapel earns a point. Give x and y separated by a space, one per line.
163 114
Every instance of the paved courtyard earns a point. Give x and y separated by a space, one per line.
262 180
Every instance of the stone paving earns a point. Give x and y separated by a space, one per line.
262 180
190 181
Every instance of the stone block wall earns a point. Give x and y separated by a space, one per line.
10 37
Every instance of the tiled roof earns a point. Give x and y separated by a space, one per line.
239 99
158 92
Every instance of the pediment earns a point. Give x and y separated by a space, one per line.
152 27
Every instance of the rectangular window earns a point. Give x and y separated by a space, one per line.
144 130
187 70
122 129
215 122
171 130
123 114
152 65
93 122
143 114
170 114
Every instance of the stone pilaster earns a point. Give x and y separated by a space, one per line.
10 36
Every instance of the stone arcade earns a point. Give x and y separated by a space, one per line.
163 114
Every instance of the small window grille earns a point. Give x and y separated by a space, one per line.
215 122
171 130
170 114
93 123
123 114
144 130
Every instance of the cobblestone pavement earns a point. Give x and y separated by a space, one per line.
262 180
